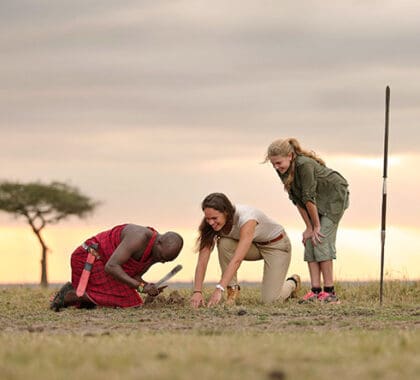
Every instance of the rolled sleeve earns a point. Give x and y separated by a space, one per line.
308 182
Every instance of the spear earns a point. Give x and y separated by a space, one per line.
384 194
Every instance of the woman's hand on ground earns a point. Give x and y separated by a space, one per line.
215 298
197 300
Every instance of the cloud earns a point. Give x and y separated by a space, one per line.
163 99
247 66
148 106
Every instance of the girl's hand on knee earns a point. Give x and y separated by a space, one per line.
317 236
307 234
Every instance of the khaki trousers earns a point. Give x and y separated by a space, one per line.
276 258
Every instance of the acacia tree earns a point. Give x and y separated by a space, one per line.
43 204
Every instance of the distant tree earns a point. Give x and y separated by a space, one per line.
43 204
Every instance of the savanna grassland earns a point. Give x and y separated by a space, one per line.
166 339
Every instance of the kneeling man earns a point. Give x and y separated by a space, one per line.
107 268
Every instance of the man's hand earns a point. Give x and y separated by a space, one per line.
151 290
197 300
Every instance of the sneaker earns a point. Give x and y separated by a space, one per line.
328 297
309 297
296 279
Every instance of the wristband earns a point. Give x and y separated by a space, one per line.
141 287
220 287
197 291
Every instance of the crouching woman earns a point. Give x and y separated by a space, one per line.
242 232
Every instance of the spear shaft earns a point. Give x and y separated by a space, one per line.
384 192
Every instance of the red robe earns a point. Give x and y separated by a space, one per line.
102 288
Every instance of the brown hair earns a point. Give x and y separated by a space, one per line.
283 147
219 202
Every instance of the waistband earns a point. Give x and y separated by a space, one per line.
278 238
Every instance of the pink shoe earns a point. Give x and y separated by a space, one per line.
328 297
309 297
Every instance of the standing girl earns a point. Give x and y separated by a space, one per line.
321 196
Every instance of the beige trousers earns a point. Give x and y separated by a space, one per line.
276 258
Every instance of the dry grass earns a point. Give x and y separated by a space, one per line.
356 339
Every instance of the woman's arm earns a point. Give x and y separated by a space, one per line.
309 213
200 273
306 218
316 224
313 225
307 234
245 240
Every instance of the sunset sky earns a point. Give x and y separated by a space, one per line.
148 106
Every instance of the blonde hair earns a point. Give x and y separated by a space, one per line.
284 147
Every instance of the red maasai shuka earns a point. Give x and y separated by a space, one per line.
102 288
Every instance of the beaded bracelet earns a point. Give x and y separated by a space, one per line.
141 287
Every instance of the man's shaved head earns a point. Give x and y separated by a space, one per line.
172 244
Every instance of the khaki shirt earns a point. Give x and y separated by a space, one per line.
324 187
